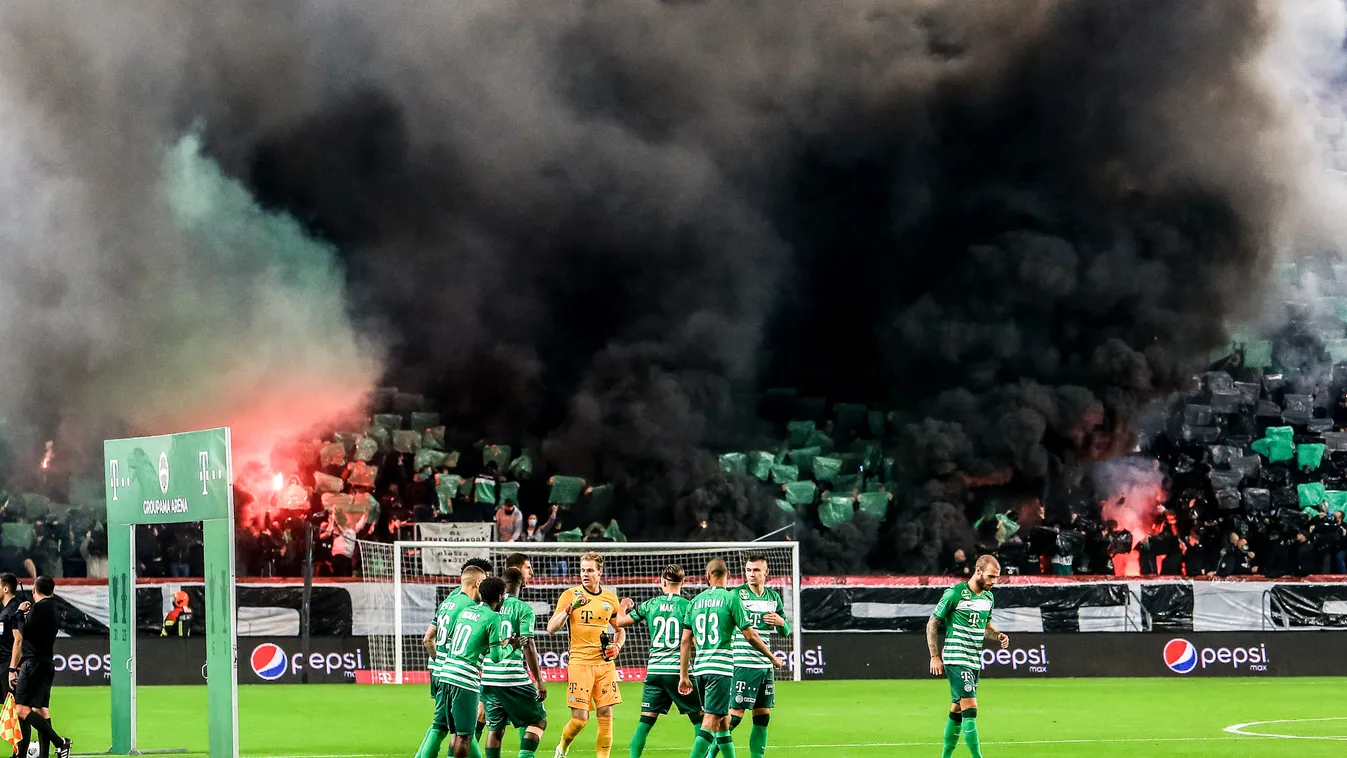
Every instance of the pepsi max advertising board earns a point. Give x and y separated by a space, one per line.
1165 655
173 660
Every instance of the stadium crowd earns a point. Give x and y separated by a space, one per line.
1249 473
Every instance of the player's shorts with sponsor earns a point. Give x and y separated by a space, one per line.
455 709
754 688
715 693
33 687
592 686
516 706
963 682
661 692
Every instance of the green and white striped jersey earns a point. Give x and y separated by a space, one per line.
756 606
715 617
476 633
965 615
665 616
444 625
515 616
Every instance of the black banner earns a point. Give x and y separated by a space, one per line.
173 660
1235 654
906 609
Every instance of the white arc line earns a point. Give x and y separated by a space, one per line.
1240 729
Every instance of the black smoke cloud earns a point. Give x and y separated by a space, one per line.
608 223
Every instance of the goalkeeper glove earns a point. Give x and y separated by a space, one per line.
610 650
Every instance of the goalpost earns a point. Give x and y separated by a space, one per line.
411 578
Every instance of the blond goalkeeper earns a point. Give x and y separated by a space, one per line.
591 670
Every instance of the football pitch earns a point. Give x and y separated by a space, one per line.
1177 718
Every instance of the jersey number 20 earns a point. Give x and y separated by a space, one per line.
668 632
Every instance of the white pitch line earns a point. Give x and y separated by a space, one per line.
1240 729
1237 736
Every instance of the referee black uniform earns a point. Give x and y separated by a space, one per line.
11 618
38 668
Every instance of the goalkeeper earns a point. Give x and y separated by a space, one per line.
664 616
591 673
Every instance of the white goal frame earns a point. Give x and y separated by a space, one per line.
694 577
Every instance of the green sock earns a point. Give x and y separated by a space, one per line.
726 743
734 722
952 729
492 752
474 750
639 736
757 741
527 747
703 744
970 735
430 744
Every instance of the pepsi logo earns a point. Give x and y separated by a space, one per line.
269 661
1180 656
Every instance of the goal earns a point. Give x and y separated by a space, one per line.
411 578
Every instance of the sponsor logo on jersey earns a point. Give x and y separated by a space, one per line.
1183 657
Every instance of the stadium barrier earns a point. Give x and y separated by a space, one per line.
1048 605
881 655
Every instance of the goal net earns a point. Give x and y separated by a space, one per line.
411 578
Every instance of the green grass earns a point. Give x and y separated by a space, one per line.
1182 718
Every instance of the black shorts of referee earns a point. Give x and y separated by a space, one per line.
33 687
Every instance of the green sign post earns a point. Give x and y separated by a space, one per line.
173 478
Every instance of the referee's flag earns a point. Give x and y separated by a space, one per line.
9 722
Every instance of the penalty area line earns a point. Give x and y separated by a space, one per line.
1241 729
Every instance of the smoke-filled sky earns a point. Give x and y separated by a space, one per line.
604 222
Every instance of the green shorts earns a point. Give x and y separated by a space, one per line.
963 682
754 688
516 705
714 693
455 710
661 692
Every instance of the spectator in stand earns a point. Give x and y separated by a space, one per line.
486 491
509 522
1329 537
960 565
1195 561
1236 559
1302 555
535 533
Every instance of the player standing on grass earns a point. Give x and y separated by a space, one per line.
513 689
438 642
591 673
964 612
754 674
664 615
715 616
476 637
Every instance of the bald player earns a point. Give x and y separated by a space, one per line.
964 614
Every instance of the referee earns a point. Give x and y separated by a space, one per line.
32 685
11 632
